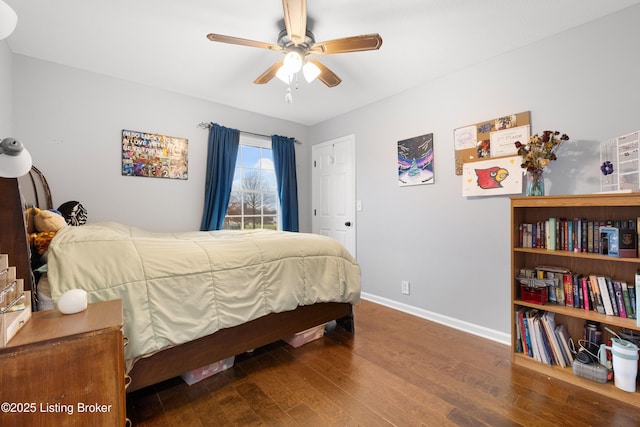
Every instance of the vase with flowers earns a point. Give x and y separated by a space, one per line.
537 153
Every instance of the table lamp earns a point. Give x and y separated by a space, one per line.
15 160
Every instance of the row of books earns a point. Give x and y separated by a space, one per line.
538 336
580 235
590 292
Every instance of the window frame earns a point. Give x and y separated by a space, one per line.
262 143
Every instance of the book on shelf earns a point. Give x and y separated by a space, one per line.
578 301
527 338
551 234
519 346
586 295
637 286
598 301
609 241
545 347
543 339
628 241
535 348
606 300
612 295
569 236
549 324
617 289
617 238
596 236
631 287
592 292
568 289
565 340
627 300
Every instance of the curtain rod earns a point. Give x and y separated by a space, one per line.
205 125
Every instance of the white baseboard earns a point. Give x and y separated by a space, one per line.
481 331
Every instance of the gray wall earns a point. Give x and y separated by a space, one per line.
5 90
71 121
455 251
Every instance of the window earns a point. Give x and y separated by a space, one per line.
254 198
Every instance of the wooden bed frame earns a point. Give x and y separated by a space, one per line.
239 339
174 361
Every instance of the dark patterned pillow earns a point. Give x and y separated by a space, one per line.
74 213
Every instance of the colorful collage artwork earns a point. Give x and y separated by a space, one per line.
152 155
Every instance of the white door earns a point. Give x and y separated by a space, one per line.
334 191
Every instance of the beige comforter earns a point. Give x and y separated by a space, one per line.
177 287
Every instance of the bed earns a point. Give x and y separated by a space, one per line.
193 298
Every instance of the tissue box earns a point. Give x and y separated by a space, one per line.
296 340
199 374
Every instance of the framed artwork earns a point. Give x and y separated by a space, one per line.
415 161
492 177
490 139
153 155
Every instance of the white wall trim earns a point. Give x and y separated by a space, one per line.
471 328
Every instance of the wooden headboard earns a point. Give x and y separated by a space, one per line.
13 234
35 189
29 190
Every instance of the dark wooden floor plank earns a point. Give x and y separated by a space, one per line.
271 377
394 399
396 370
305 416
263 406
344 397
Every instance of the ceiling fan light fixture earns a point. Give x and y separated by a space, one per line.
284 75
8 20
310 71
293 62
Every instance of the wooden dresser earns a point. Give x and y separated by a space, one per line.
65 370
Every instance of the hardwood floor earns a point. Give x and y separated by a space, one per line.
397 370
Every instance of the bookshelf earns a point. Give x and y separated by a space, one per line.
615 206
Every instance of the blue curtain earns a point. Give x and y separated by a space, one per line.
221 165
284 161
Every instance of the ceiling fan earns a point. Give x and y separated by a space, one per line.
297 43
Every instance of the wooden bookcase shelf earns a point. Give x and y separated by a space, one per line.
616 206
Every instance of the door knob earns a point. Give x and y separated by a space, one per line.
348 223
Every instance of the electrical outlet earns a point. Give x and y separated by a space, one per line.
405 287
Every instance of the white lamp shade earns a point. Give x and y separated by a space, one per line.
8 20
284 75
14 163
292 62
310 71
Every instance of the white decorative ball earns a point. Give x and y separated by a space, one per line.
73 301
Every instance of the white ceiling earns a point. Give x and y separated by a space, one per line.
162 43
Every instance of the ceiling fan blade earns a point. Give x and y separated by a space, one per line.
348 44
242 42
269 73
326 76
295 19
